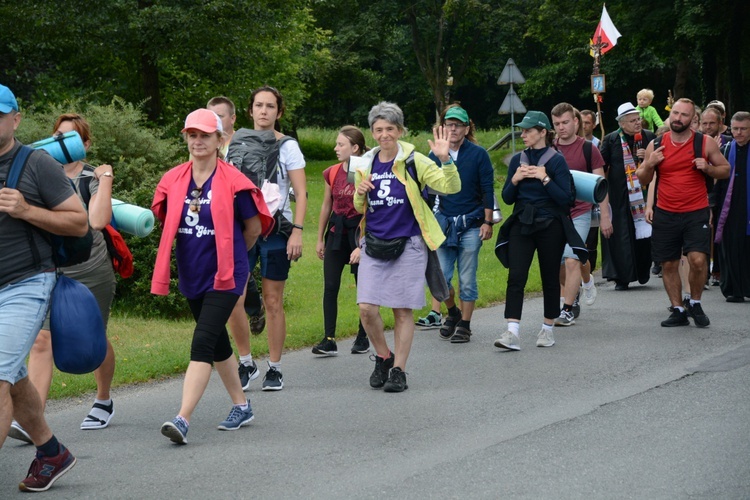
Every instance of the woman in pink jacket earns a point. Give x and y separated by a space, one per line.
214 214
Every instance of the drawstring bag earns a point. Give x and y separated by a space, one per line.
79 342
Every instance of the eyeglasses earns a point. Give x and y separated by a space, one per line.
195 203
451 126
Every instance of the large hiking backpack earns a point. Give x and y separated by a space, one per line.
256 154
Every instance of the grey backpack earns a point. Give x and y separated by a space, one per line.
256 154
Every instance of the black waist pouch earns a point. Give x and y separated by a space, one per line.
378 248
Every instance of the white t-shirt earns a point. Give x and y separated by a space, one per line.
290 158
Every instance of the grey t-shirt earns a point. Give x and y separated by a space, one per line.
42 184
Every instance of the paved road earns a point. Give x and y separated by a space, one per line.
619 408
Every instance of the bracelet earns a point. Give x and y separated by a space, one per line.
449 162
488 222
297 226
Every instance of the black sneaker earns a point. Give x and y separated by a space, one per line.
326 347
695 311
449 326
273 381
361 345
656 269
380 373
247 373
396 382
577 305
677 318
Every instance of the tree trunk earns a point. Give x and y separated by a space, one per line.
681 74
149 74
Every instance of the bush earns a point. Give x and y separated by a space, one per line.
139 155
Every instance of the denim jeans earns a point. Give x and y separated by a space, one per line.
467 257
23 307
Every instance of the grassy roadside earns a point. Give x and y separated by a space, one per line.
155 349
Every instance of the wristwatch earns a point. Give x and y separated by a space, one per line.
546 180
488 222
105 174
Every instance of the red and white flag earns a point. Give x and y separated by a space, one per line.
606 29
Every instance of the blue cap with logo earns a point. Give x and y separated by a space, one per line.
8 101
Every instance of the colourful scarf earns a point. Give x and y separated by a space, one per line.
635 193
728 197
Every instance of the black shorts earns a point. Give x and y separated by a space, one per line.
676 234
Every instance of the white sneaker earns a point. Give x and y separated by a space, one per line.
545 338
589 295
508 340
566 318
18 432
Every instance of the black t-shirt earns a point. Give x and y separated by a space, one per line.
43 184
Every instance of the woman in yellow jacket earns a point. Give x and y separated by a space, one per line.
399 228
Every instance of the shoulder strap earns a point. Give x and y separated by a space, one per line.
587 145
83 184
270 174
20 160
333 173
698 144
547 156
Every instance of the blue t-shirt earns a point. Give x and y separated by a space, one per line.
196 244
389 213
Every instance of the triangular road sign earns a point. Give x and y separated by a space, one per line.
510 74
511 104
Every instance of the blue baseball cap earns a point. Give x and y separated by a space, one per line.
8 101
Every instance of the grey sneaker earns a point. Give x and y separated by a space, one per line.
432 320
545 338
577 304
17 432
176 430
508 340
566 318
247 373
237 418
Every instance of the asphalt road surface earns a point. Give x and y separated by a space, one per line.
619 408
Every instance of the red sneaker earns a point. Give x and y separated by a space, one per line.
46 470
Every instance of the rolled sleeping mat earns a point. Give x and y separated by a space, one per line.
132 219
589 187
65 148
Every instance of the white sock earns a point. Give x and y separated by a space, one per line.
693 302
590 283
275 365
547 327
105 402
247 360
243 407
514 327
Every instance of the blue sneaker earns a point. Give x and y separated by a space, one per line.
237 418
176 430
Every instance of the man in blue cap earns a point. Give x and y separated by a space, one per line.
27 277
466 220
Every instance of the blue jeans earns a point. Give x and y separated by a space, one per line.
23 307
467 256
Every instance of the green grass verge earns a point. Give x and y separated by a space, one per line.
155 349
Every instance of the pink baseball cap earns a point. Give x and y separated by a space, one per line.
204 120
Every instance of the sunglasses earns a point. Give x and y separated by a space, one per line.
195 203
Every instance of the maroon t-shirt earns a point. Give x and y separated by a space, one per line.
573 154
342 193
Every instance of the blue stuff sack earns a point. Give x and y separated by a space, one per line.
79 342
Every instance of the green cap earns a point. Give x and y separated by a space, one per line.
458 113
534 119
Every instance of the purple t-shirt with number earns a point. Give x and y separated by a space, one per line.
389 213
196 244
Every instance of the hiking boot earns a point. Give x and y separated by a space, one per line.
237 418
508 340
258 323
380 373
361 345
326 347
44 470
273 381
176 430
695 311
576 308
99 416
589 295
247 373
449 326
677 318
432 320
461 335
396 382
545 338
18 432
566 318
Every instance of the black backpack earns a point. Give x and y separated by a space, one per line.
66 250
256 154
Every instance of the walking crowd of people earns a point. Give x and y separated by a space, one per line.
676 197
